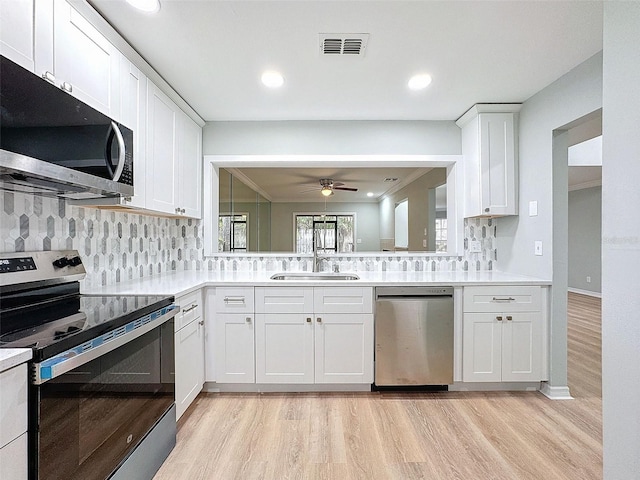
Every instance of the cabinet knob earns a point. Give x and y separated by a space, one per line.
509 318
487 210
201 322
308 319
50 77
183 211
319 320
499 319
248 319
66 86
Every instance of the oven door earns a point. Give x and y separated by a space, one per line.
89 419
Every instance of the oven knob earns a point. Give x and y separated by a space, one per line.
61 262
75 261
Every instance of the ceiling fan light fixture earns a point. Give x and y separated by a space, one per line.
147 6
326 191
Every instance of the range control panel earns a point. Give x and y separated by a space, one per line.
9 265
28 267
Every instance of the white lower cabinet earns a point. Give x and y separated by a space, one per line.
189 350
503 335
303 337
234 338
13 423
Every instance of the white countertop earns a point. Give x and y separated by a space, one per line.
10 357
180 283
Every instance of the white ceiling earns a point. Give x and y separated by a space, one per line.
213 53
303 184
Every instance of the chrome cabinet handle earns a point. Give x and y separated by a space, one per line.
308 319
503 299
48 76
499 319
192 307
121 152
319 320
67 87
234 300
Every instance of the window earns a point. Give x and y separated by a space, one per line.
441 235
333 233
232 233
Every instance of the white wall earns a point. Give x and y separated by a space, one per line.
585 239
332 138
572 96
621 240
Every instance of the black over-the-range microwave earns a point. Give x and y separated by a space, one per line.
53 144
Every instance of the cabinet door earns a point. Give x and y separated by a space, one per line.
133 109
13 407
189 364
343 348
497 164
17 32
284 348
190 171
522 347
234 340
85 63
482 348
162 151
13 459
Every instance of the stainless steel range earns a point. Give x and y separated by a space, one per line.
101 398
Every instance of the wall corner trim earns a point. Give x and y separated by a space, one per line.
555 393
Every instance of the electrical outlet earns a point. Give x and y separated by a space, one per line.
533 208
537 248
424 243
588 279
475 246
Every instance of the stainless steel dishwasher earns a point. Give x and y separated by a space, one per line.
414 336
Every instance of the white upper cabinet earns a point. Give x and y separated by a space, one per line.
133 103
173 158
17 32
162 151
490 151
189 167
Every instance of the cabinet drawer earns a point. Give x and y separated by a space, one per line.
234 300
503 299
284 300
13 408
343 300
190 309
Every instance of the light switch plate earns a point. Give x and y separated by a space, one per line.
474 246
533 208
537 248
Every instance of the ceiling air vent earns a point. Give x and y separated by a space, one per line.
353 44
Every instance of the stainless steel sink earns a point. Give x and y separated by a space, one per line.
314 276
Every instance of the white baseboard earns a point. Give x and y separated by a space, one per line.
585 292
213 387
555 393
494 387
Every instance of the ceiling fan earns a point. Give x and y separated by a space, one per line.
327 186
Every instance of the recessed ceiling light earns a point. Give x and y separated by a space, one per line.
149 6
272 79
370 194
419 82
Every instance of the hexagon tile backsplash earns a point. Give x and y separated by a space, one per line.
120 246
114 246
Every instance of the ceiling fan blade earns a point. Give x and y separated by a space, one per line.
309 190
348 189
337 184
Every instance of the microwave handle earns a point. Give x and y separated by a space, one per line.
114 130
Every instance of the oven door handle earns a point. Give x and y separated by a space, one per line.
73 358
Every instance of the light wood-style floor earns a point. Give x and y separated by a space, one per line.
448 435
